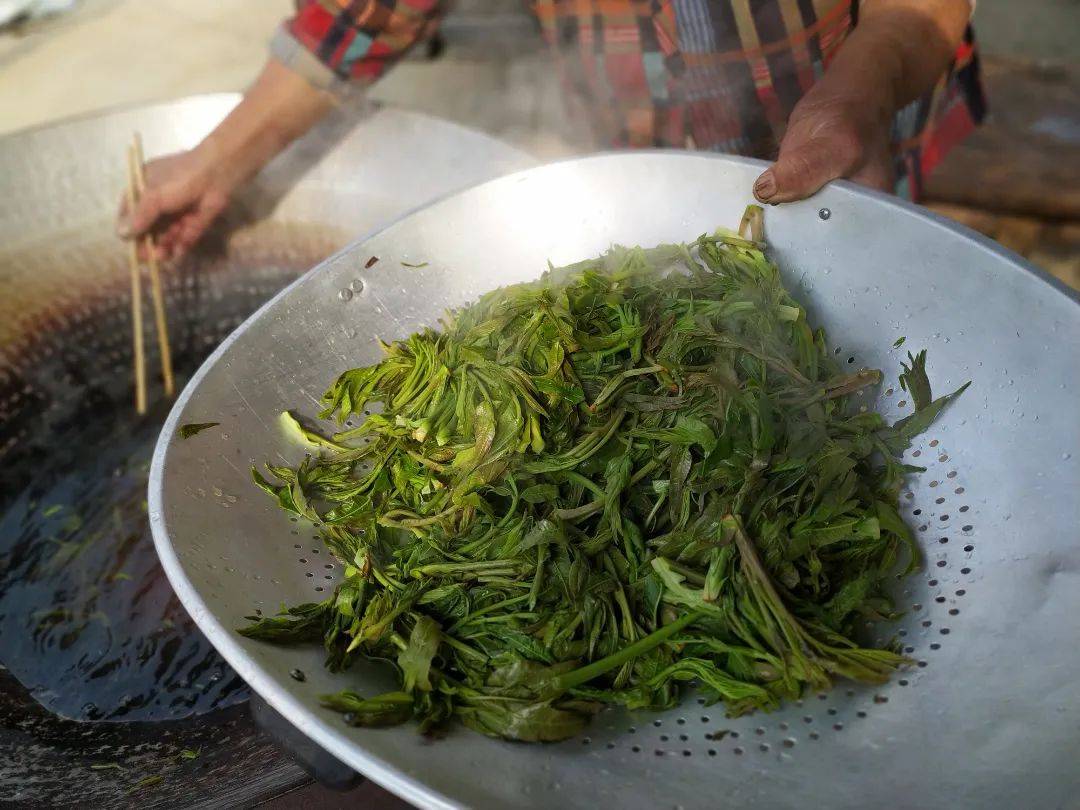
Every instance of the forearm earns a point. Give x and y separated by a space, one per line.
898 50
278 108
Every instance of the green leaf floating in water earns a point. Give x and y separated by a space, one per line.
640 471
190 429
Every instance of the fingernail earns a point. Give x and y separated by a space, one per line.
123 228
765 186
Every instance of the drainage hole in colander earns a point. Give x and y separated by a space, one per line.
903 682
664 738
831 711
939 599
959 491
808 719
686 752
935 646
704 719
961 592
681 721
783 727
759 731
838 726
860 714
328 566
737 750
302 560
965 571
788 743
309 574
586 740
932 583
944 631
657 723
764 748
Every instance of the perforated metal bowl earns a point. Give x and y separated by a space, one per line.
987 717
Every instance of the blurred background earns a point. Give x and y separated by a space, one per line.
1017 179
90 629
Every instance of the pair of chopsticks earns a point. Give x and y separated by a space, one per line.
136 186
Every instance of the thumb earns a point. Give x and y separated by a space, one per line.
803 167
154 203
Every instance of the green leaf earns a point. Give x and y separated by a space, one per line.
913 379
192 428
303 623
415 659
390 709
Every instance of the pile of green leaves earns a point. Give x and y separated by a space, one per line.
640 471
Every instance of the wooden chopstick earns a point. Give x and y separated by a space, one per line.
156 293
139 357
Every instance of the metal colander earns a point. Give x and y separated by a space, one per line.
989 715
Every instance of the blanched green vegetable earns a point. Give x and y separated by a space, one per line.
639 471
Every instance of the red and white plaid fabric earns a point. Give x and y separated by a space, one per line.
720 75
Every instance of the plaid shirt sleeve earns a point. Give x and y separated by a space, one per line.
330 42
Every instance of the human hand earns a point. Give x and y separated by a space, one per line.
831 134
184 194
842 126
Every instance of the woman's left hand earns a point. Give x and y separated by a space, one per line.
830 135
842 126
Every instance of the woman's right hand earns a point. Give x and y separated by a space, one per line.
184 195
186 192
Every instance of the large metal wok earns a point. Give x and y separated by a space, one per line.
989 716
89 628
